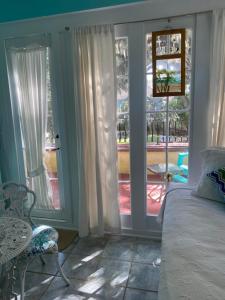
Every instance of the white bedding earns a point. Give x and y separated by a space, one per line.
193 249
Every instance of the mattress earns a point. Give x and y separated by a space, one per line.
193 248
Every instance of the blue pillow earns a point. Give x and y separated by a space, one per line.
218 177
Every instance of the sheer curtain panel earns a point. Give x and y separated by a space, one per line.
217 81
96 95
27 68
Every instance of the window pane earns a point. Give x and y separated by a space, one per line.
149 53
156 161
122 88
156 128
168 44
178 146
121 49
155 104
179 127
188 48
179 103
50 155
167 132
123 125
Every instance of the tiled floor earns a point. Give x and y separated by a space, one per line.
99 268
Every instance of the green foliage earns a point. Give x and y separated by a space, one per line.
176 104
121 49
164 78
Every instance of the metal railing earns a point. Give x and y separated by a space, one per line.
156 132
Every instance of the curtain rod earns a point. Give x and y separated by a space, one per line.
164 18
67 28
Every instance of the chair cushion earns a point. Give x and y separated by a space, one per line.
44 239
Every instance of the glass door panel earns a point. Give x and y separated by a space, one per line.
123 125
158 126
155 160
34 112
167 132
51 148
178 144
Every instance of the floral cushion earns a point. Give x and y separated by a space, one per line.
44 239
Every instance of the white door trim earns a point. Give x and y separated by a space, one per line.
139 222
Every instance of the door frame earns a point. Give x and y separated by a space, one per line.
139 222
62 217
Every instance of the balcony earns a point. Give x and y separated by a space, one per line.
155 187
157 146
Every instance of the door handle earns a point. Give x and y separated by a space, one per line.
57 138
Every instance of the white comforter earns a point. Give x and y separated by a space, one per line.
193 249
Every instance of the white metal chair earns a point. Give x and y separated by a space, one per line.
18 201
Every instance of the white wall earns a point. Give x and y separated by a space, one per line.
151 9
128 13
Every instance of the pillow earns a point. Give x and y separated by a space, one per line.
218 177
213 158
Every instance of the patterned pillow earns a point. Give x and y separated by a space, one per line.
212 159
218 177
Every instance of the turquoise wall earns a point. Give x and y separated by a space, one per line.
23 9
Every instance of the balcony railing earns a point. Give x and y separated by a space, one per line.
156 132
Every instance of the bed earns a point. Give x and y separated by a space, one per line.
193 248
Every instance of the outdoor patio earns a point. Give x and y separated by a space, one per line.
155 187
155 195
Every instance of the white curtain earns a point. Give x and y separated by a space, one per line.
95 82
217 82
28 78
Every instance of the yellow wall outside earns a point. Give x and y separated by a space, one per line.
155 157
50 161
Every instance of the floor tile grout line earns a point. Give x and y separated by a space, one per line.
43 273
102 256
127 281
113 258
153 291
142 290
124 293
42 294
129 275
46 289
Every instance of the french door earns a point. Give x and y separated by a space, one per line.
32 77
152 132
